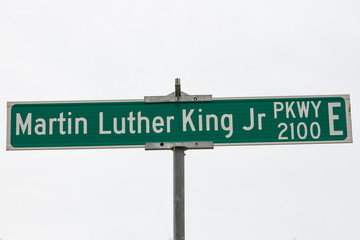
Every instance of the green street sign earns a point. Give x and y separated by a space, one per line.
133 123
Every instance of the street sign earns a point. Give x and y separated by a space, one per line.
133 123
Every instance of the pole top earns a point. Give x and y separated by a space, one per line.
177 87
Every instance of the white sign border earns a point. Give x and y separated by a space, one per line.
346 98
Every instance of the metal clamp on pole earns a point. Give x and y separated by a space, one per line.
178 96
173 145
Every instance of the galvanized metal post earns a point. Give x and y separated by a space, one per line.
179 193
179 149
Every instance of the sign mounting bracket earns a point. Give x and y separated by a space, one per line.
178 96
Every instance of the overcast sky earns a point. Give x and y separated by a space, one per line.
99 50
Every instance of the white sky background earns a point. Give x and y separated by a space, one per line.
96 50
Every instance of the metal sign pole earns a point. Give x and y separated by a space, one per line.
179 149
179 193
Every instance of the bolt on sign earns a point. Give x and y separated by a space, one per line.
132 123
